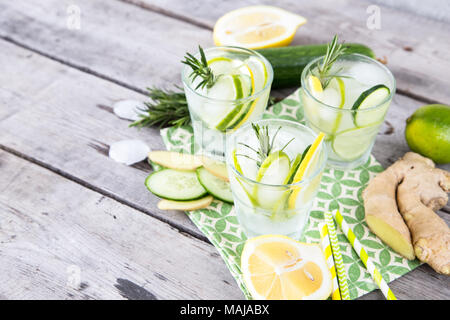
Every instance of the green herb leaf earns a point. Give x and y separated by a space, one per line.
200 69
167 108
334 51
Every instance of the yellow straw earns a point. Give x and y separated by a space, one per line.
326 247
341 273
376 275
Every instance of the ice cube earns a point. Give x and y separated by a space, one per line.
128 151
368 74
129 109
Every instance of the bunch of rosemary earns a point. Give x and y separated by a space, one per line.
166 108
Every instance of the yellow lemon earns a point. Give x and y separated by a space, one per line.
306 168
257 27
276 267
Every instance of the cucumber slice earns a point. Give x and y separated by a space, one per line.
293 169
370 98
243 83
227 87
353 143
251 172
175 185
339 85
220 65
259 73
274 171
214 185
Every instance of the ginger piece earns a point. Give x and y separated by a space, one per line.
411 188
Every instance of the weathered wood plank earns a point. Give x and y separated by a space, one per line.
60 113
116 40
54 245
421 284
44 237
411 43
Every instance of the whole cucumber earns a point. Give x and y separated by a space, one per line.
289 62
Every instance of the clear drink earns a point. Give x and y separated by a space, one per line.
266 197
239 94
350 109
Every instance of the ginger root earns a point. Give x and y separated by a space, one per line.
411 188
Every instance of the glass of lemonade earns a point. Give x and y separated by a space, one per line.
270 197
240 94
350 109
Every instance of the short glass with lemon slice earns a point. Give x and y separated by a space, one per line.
350 108
274 167
239 94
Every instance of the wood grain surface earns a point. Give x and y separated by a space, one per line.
65 206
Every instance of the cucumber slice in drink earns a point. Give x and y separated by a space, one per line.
175 185
294 168
250 172
258 71
227 87
220 65
217 187
273 171
243 88
339 85
353 143
368 99
328 119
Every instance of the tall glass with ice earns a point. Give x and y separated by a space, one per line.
275 168
350 109
242 81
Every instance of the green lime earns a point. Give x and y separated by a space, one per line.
428 132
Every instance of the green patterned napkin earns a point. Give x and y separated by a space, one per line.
338 190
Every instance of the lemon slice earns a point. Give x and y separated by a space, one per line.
306 168
257 27
314 84
276 267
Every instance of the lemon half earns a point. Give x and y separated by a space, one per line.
276 267
257 27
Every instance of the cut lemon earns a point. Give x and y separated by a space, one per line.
306 168
276 267
257 27
314 84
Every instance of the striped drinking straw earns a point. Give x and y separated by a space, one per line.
376 275
342 275
326 247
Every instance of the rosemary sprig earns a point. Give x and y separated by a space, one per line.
334 51
167 108
200 69
265 143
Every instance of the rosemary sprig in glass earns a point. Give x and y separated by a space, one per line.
334 51
265 144
200 69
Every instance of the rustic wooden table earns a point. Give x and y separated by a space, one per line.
76 225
